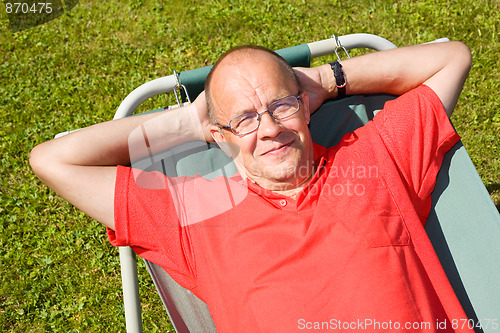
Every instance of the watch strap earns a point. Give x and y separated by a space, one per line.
340 80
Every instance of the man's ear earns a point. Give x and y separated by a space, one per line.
216 133
220 139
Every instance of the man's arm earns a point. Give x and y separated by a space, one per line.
441 66
81 166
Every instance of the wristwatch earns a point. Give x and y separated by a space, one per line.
340 80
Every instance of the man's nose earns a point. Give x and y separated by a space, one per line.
269 127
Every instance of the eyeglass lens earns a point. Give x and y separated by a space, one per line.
250 121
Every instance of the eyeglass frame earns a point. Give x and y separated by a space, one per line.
228 127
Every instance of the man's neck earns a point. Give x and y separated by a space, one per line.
292 193
284 188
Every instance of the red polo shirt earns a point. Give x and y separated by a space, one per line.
349 254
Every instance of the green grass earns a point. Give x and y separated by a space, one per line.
58 272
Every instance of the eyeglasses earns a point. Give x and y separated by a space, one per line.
250 121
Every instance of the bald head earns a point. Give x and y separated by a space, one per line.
240 61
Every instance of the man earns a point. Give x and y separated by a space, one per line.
288 252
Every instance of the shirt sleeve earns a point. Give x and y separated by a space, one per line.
146 220
417 133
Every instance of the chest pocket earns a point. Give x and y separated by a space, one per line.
362 201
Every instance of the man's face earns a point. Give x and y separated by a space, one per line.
279 154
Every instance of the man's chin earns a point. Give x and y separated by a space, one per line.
283 174
289 171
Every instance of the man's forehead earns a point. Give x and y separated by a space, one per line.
242 64
249 79
251 68
242 92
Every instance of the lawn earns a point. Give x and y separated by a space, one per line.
58 271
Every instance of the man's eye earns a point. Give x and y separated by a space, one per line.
245 120
281 108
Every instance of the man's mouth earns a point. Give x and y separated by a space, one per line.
279 149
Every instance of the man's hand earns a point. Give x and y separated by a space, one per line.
317 86
200 104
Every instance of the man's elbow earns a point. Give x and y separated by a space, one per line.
36 160
41 161
462 55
